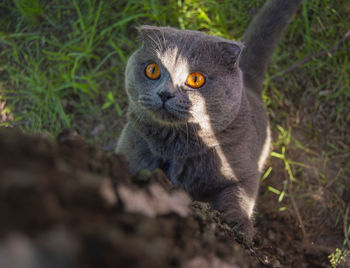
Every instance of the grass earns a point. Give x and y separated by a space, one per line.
339 257
62 63
312 102
63 60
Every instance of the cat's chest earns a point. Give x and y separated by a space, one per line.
174 170
171 142
186 170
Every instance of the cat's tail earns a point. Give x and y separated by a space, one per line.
261 38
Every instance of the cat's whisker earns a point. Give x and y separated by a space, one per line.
155 50
164 41
131 109
125 112
159 43
138 116
155 42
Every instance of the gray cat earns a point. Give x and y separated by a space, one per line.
195 110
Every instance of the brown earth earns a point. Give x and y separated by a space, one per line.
65 203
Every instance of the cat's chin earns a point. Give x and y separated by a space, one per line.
164 117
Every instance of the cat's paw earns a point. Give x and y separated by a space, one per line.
240 223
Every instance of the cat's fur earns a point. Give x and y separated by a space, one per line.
212 140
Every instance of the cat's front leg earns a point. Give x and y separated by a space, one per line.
236 205
136 150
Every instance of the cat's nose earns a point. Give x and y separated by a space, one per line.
165 95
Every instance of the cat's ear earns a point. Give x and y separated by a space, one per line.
148 33
230 53
152 36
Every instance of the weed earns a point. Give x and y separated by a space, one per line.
31 10
338 257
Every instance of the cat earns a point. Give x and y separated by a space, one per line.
195 110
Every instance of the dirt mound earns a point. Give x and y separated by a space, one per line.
65 204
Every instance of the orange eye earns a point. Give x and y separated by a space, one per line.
195 80
152 71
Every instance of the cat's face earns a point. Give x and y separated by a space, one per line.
179 77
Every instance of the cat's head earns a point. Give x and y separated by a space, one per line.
180 76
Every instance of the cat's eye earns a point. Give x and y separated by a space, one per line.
195 80
152 71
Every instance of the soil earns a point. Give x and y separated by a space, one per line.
65 203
